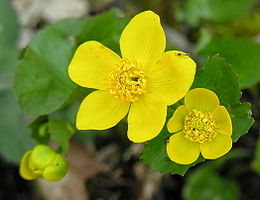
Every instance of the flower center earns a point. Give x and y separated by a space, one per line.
199 126
127 81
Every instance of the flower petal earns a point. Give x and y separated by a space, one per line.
223 121
24 169
91 64
181 150
146 119
201 99
217 147
99 111
176 122
143 39
171 76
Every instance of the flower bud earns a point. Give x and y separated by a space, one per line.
43 162
41 156
43 130
24 170
56 170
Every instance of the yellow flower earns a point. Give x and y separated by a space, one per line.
201 125
43 162
141 83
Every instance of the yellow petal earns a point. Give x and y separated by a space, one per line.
217 147
223 121
201 99
99 111
182 150
176 122
146 119
24 170
171 76
143 39
91 64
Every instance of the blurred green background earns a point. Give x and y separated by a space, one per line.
108 166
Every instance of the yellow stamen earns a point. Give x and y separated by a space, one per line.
127 81
199 127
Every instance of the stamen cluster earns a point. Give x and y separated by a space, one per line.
199 127
127 81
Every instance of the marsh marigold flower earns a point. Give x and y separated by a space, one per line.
201 125
43 162
142 82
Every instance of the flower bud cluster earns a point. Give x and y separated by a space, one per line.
43 162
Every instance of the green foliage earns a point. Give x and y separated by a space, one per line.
47 87
256 162
242 54
245 27
9 24
219 77
213 10
61 132
8 33
241 119
14 137
44 64
14 140
205 183
44 129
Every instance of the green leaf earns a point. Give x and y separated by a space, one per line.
214 10
42 85
242 54
41 82
219 77
256 162
205 183
8 51
61 132
14 136
44 129
241 119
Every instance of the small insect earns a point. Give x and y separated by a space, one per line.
182 54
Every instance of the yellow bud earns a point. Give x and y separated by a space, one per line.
24 170
41 156
43 162
56 170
